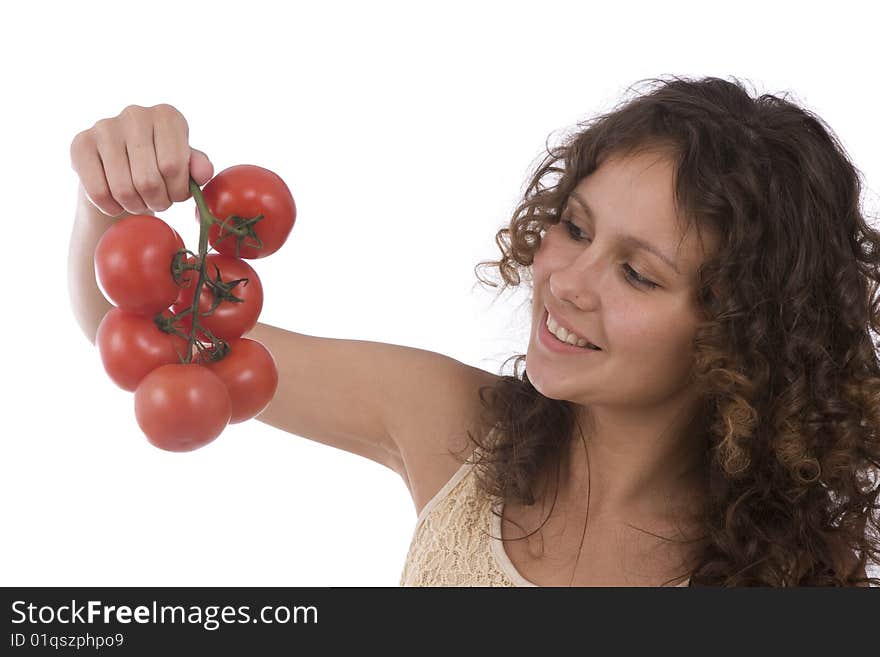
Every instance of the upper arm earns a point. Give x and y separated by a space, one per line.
441 408
334 391
360 396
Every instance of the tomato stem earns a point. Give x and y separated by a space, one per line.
204 213
205 221
222 290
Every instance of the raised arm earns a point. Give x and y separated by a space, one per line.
395 405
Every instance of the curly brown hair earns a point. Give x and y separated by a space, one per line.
783 356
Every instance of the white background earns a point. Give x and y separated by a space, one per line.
406 132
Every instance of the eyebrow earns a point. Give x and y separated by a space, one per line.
630 240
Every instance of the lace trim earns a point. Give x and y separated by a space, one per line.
450 544
456 541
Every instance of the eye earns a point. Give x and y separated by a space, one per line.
631 274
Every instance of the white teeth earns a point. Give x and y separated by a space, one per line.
564 334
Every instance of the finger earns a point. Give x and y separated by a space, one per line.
87 163
111 149
172 155
200 167
145 175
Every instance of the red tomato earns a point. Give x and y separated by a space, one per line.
181 407
230 319
131 346
246 191
250 375
179 239
133 264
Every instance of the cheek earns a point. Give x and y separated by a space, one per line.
629 334
660 341
637 329
544 256
539 268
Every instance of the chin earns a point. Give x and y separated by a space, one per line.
538 377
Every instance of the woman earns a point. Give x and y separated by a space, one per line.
713 418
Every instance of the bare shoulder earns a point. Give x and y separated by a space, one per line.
445 408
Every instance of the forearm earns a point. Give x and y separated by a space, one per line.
87 302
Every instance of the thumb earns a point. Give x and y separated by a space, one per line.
200 167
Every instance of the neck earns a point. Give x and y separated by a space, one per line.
628 466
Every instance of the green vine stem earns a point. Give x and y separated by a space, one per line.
205 221
222 291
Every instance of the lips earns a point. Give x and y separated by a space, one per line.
567 325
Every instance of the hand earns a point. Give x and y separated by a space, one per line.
138 161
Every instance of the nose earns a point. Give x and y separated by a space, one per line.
576 282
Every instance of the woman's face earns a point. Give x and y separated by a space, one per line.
588 276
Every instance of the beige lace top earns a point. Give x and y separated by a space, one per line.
448 547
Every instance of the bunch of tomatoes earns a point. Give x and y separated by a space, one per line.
174 337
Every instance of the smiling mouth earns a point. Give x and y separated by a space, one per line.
579 344
564 336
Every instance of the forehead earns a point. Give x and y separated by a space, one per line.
634 195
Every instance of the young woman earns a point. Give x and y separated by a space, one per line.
699 402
